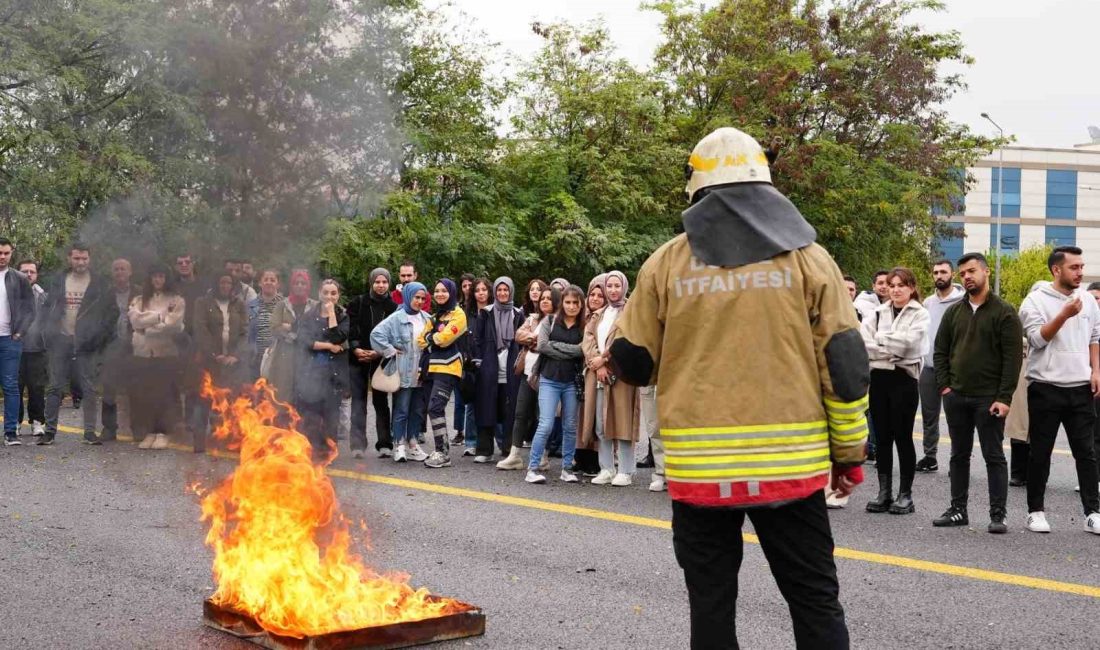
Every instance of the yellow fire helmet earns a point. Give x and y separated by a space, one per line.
726 156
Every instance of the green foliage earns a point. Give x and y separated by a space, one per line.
354 134
1020 271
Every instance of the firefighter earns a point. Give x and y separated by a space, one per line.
745 326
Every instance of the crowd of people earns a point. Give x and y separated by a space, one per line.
529 374
992 370
524 371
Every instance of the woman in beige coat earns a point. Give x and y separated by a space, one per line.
610 406
283 317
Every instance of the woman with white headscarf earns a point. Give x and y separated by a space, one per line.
610 407
495 353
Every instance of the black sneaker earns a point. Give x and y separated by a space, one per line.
997 524
44 440
108 436
1016 481
458 439
11 440
91 439
953 517
927 464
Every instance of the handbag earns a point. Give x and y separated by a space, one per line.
267 359
386 379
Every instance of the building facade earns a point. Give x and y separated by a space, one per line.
1049 196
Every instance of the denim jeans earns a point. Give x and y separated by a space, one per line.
551 393
460 413
470 433
10 353
408 414
67 367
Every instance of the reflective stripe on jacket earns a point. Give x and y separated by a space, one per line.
761 371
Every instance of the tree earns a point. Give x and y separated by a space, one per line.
849 94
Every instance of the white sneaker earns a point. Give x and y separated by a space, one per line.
534 477
485 459
658 484
568 477
160 441
147 441
833 502
513 461
1092 523
39 429
399 456
622 480
385 452
544 464
437 460
416 453
603 478
1037 522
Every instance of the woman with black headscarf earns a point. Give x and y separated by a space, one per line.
365 312
443 343
495 358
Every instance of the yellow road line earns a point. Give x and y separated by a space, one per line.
971 573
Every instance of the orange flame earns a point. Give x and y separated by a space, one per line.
281 545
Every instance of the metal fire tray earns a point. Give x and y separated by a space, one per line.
468 622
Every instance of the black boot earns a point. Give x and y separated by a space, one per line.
904 504
885 494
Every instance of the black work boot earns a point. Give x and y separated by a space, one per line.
904 504
885 494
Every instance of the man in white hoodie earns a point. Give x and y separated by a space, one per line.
868 301
947 293
1062 326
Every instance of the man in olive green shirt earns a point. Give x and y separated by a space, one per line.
978 352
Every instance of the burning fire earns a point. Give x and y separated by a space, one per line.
281 545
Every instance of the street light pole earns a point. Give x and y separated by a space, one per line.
1000 201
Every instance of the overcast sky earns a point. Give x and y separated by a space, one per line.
1032 71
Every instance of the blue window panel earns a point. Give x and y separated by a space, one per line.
1059 176
1012 175
1061 235
950 248
1010 237
1061 194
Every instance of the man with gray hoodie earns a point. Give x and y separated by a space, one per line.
1062 326
947 293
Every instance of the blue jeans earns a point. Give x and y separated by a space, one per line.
551 393
408 414
10 354
460 412
470 418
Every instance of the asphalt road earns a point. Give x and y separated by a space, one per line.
101 547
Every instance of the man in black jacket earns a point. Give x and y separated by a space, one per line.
32 365
78 322
16 313
978 352
365 312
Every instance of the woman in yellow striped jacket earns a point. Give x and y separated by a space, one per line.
444 341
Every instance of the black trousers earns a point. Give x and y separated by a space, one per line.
320 421
33 380
798 544
964 415
360 385
894 398
153 407
527 417
1049 406
486 436
1019 452
442 386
